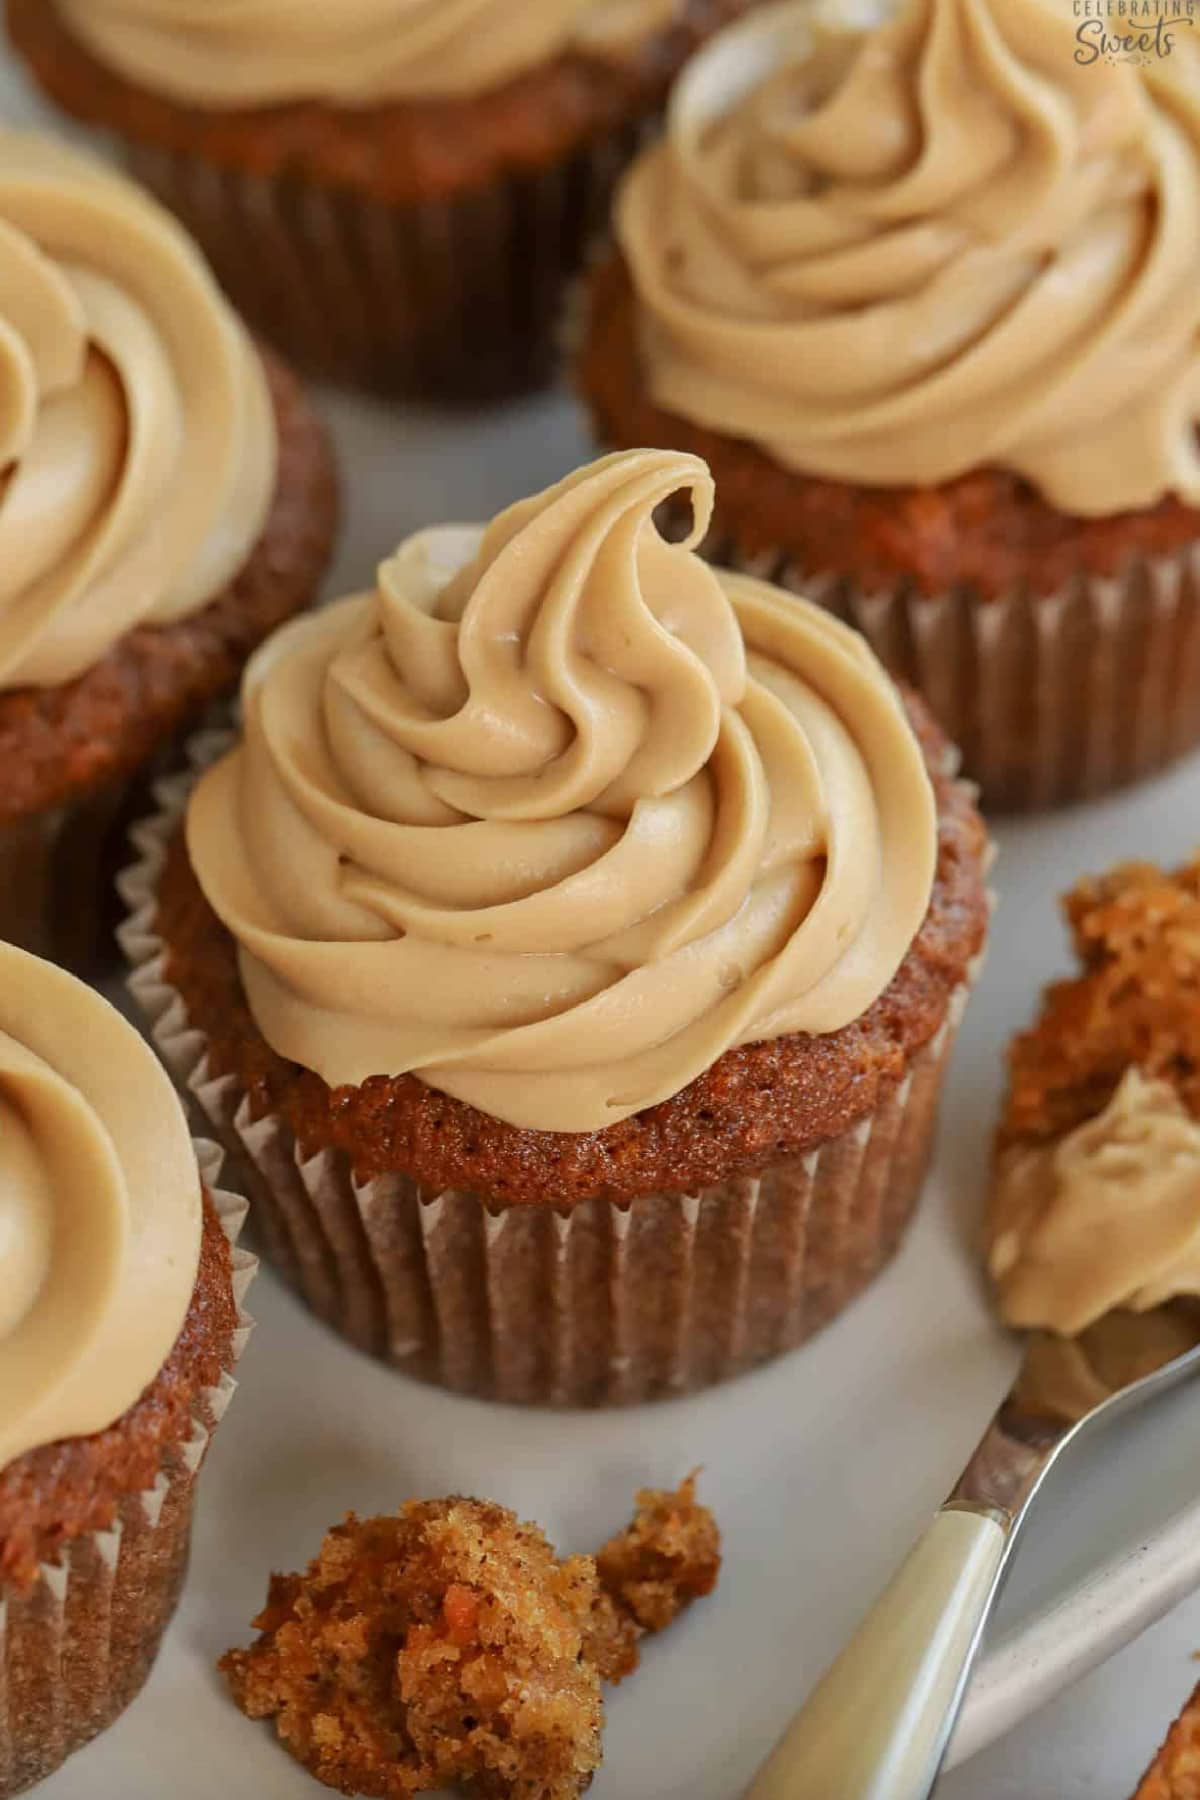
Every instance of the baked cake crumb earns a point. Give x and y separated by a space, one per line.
669 1556
1136 1002
1175 1772
448 1645
649 1573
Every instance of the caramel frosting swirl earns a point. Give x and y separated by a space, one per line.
230 53
557 815
137 439
1107 1216
100 1209
892 253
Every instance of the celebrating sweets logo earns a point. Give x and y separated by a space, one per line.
1138 31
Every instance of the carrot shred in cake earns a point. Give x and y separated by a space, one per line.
1135 1002
1175 1771
447 1645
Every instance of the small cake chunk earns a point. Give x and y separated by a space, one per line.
669 1556
1134 1004
439 1646
1175 1771
447 1645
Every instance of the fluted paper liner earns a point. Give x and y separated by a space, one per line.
77 1646
456 296
58 866
1052 698
594 1303
56 869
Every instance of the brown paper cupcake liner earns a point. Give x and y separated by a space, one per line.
58 867
56 871
455 297
1052 698
77 1646
599 1303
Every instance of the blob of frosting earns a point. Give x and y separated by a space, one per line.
100 1209
234 53
890 253
137 437
557 815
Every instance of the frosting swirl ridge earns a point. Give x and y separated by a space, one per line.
137 437
99 1209
230 53
889 253
557 815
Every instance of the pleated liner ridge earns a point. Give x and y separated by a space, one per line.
595 1303
456 296
77 1646
1053 698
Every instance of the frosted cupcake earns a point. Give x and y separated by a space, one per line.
569 950
119 1325
168 498
395 191
923 294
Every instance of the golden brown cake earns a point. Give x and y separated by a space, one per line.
448 1645
1175 1771
1136 1000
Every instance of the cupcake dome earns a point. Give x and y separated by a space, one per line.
119 1324
562 889
168 499
923 293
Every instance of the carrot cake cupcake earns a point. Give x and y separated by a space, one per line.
395 191
923 294
570 948
168 498
1094 1227
119 1325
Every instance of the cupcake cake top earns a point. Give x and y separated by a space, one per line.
100 1209
354 52
136 430
888 253
556 815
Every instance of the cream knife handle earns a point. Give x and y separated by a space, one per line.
877 1724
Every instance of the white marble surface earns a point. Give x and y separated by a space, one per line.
822 1467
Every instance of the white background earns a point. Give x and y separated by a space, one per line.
821 1468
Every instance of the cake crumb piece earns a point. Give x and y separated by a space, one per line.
1175 1771
1136 1003
649 1573
447 1645
438 1646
